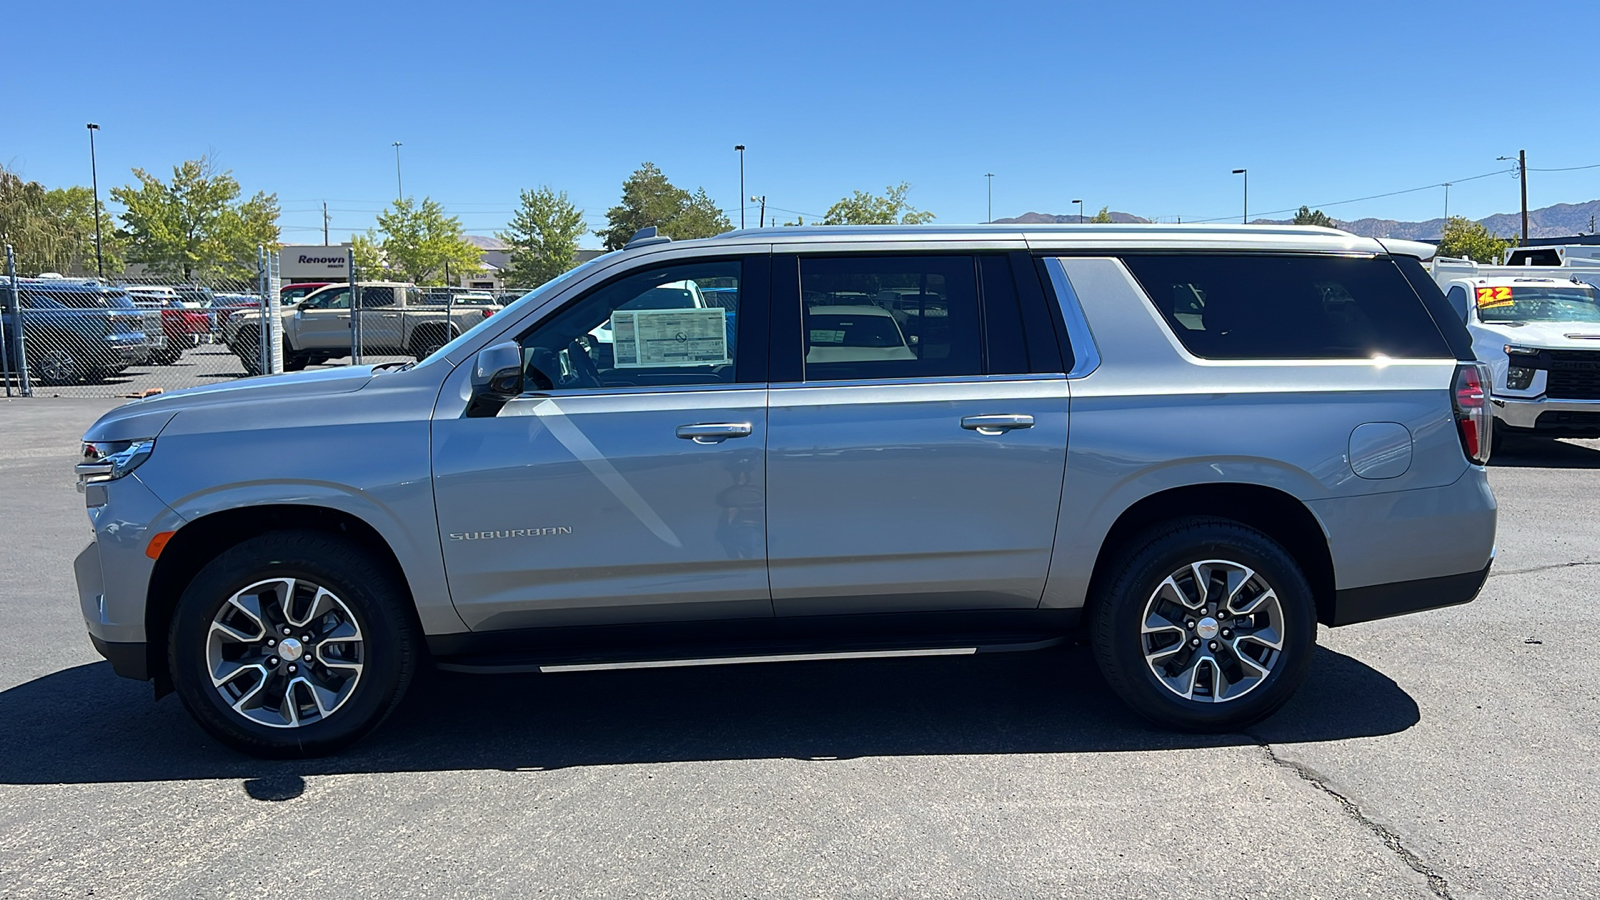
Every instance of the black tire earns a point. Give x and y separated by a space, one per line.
1118 611
427 341
390 643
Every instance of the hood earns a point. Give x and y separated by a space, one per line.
1548 335
146 418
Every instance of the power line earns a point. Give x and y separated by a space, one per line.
1426 187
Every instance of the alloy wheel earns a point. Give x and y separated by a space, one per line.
285 652
1212 631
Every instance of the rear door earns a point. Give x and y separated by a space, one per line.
920 480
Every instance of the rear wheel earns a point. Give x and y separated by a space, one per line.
1207 625
56 364
292 644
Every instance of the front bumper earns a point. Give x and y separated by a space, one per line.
1517 413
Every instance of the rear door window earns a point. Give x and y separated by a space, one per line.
867 317
1289 307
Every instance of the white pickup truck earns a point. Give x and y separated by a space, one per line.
1538 328
395 320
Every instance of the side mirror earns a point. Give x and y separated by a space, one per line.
496 379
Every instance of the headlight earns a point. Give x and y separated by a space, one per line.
1518 378
109 460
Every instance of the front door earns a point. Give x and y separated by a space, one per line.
912 465
629 483
322 322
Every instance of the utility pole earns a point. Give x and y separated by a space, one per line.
1522 169
399 192
1522 174
990 176
1446 224
324 223
762 199
740 148
94 177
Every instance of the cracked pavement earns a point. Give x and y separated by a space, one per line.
1446 754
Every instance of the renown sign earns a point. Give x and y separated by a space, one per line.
313 262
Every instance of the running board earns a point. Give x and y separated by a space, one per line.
598 665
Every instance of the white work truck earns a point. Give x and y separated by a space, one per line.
395 320
1538 328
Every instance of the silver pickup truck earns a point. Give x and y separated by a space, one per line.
395 320
1188 444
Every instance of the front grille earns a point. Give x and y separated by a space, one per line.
1574 375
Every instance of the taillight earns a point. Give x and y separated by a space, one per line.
1473 417
487 313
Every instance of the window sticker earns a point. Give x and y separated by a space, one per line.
1491 297
654 338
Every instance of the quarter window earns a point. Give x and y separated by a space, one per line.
1289 307
671 325
869 317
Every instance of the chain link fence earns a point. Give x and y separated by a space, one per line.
136 335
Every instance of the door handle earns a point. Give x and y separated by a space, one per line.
992 425
714 433
391 315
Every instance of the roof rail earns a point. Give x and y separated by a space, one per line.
645 236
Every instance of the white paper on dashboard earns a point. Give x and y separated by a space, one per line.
652 338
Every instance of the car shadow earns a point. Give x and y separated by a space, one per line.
1545 453
85 725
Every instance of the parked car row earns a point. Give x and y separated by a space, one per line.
73 331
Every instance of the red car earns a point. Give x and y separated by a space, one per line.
182 325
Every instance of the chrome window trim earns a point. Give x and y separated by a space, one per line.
919 379
1085 354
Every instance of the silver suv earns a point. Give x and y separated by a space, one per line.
1189 444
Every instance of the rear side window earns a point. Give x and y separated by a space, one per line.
1289 307
868 317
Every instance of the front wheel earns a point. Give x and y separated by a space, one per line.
292 644
1207 626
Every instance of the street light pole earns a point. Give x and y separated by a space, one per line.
740 148
94 178
1246 174
399 190
1446 224
990 176
762 199
1080 211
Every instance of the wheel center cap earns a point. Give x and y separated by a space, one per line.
291 649
1207 628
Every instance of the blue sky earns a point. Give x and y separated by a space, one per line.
1145 107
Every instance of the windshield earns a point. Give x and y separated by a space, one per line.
1520 304
532 298
853 331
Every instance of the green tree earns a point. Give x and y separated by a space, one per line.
1103 217
196 224
1307 216
73 210
648 198
367 252
543 238
52 230
1466 238
419 241
862 208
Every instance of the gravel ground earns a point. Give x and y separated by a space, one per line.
1446 754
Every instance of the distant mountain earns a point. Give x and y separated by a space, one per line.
1551 221
1033 218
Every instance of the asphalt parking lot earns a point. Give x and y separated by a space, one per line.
1447 754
